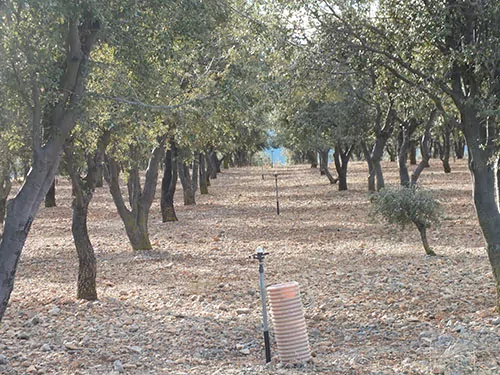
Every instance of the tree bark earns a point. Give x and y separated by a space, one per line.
22 210
371 169
186 182
406 130
459 144
382 134
423 236
168 184
413 152
135 219
341 157
195 173
312 157
203 176
50 197
5 187
446 146
425 150
212 164
323 161
483 164
83 191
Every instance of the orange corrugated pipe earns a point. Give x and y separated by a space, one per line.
289 322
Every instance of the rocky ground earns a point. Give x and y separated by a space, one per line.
374 303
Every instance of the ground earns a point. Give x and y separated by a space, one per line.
373 302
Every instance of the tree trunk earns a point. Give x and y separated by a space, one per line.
406 130
22 210
323 161
50 197
187 187
446 147
312 158
196 167
425 150
483 164
87 264
341 157
459 145
203 176
413 152
168 185
212 164
382 135
83 191
100 178
5 187
371 169
135 219
391 150
423 235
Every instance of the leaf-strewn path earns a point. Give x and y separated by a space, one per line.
374 303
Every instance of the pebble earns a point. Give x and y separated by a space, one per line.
55 311
223 308
133 328
496 321
245 351
135 349
242 311
70 346
3 360
45 348
117 365
23 336
31 369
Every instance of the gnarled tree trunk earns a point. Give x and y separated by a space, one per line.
371 170
483 164
203 175
382 135
83 191
186 182
21 210
406 130
312 157
323 161
135 219
168 184
50 197
425 150
341 156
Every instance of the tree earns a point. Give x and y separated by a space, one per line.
449 49
34 36
406 205
83 191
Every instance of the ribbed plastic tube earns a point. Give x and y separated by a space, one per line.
289 323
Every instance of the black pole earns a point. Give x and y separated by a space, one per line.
277 198
260 257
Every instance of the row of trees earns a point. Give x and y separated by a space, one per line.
106 90
429 68
121 86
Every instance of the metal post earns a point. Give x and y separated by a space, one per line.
277 198
260 257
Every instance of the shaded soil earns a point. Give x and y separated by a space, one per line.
374 303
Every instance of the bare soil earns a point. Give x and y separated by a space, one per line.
374 303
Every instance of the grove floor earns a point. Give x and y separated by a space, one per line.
374 303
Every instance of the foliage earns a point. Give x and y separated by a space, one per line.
404 205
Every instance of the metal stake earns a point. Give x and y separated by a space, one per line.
260 257
277 198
